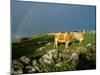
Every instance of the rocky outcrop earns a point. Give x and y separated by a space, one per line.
70 59
48 57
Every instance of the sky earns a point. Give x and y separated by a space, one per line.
29 18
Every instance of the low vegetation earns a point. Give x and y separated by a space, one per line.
41 56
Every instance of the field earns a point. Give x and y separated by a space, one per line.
76 57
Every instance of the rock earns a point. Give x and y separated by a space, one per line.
44 41
66 51
34 62
91 48
89 44
59 64
37 68
25 59
81 49
59 59
54 53
30 69
41 48
15 62
74 57
16 69
65 54
39 42
48 58
47 44
60 55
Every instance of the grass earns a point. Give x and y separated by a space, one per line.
88 39
31 49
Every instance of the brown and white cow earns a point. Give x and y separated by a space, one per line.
63 38
67 37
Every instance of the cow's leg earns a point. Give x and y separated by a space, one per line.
55 44
66 44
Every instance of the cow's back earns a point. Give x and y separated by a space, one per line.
68 36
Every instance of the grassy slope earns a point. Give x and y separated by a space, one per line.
30 49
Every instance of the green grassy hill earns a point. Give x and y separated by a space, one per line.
41 44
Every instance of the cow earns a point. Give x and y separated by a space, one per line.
79 36
67 37
63 38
